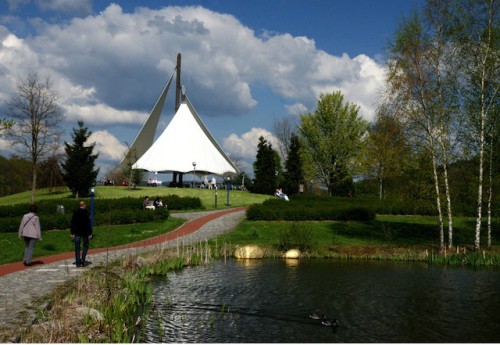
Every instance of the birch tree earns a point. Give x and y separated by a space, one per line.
412 79
477 25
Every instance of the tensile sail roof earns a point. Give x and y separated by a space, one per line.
185 141
145 137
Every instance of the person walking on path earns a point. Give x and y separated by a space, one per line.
81 230
30 231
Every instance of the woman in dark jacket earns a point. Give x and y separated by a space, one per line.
81 230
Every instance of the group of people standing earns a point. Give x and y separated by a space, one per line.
212 184
81 232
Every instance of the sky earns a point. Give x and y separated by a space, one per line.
245 63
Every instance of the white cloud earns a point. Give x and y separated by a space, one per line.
296 109
110 67
5 144
101 114
222 59
245 147
107 145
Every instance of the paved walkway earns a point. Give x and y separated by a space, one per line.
20 285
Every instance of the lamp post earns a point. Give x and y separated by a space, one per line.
194 173
92 192
228 186
215 196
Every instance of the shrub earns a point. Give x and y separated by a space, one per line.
296 237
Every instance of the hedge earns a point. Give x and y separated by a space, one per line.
308 209
106 211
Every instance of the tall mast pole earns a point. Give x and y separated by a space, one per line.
177 104
178 83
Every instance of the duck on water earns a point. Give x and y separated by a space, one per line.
325 320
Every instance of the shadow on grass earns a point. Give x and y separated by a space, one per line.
388 232
404 233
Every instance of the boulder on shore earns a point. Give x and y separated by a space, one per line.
292 254
249 252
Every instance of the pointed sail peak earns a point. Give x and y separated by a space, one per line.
145 137
186 140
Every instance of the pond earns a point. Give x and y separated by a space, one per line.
271 301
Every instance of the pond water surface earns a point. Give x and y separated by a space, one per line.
257 301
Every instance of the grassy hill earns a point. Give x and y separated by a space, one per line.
207 197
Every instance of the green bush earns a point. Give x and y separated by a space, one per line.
309 209
49 207
175 202
296 237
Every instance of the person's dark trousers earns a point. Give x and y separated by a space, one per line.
29 247
78 240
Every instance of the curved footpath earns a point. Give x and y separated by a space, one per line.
20 286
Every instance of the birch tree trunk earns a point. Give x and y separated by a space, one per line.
448 202
438 201
490 190
482 120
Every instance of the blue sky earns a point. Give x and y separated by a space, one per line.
245 63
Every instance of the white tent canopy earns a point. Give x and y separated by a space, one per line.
146 135
185 141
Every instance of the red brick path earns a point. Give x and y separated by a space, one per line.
185 229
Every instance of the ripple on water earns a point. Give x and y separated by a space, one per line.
270 301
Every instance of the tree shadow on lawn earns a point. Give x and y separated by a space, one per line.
388 232
399 233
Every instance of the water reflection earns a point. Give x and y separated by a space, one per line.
271 300
291 262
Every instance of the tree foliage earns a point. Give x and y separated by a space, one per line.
293 167
387 148
15 175
283 129
265 168
332 141
5 124
78 168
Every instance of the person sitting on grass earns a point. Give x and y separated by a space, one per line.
280 195
147 205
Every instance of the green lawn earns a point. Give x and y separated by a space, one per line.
207 196
384 231
59 241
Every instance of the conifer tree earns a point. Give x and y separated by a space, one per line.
265 168
78 169
293 166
